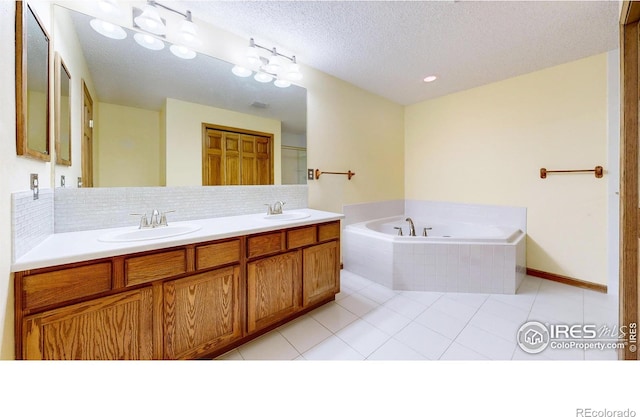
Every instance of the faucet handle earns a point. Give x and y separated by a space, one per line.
424 231
399 230
269 210
144 222
163 218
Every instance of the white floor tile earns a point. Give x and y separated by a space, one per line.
521 301
332 348
505 311
333 316
472 300
271 346
485 343
304 333
353 281
457 352
232 355
423 340
358 304
378 293
498 326
601 355
441 322
423 297
405 306
386 320
394 350
363 337
454 308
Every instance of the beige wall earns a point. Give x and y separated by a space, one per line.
487 145
127 144
184 138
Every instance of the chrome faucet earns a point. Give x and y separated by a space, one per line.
157 219
155 222
276 209
412 229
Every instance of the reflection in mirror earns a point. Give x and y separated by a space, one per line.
63 113
32 85
150 107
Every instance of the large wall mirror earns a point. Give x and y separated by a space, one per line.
149 107
62 112
32 85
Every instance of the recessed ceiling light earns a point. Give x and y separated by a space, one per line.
430 78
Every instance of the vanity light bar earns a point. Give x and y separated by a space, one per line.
269 69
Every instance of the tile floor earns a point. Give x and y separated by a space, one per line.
370 322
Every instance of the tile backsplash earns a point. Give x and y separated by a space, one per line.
99 208
76 209
31 220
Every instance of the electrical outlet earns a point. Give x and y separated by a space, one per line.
310 174
35 186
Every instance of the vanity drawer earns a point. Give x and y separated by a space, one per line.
301 237
264 244
54 287
146 268
328 231
216 254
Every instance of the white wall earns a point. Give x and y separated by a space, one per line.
486 145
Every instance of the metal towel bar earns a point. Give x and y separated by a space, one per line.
599 171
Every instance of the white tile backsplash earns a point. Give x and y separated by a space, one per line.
97 208
31 220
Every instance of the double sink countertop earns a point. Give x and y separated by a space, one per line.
64 248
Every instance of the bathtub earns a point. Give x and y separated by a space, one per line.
453 257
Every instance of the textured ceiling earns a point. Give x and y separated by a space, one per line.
388 47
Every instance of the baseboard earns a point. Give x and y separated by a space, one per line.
567 280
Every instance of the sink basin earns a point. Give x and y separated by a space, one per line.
292 215
161 232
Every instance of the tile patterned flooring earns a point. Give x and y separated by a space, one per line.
370 322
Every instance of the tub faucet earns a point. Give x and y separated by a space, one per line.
412 229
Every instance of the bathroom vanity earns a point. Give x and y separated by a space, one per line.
195 295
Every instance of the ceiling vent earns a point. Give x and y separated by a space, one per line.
259 105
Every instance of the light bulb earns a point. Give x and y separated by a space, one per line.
148 41
188 33
294 73
150 20
261 77
110 8
274 64
108 29
281 83
182 52
241 71
252 55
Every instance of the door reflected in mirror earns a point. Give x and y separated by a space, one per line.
32 84
150 106
63 113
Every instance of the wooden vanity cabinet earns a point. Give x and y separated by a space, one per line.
112 327
273 289
185 302
201 313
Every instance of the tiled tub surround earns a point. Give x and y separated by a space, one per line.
78 209
457 264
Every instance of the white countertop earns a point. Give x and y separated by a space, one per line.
64 248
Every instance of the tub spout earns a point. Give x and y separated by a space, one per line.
412 229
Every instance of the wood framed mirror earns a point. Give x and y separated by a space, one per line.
32 84
62 113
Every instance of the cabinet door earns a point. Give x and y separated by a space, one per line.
201 313
114 327
273 289
321 276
